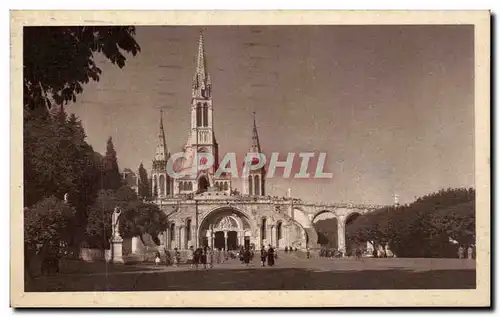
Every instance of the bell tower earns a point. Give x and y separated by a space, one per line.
161 181
202 127
254 180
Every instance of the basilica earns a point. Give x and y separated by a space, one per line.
203 209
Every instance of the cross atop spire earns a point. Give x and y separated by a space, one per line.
201 81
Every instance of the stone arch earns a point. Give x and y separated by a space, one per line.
323 214
326 226
299 215
350 245
211 222
203 183
226 186
279 233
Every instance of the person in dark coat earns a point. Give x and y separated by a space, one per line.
263 256
246 257
196 258
270 256
204 257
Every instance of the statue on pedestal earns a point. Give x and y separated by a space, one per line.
116 239
115 223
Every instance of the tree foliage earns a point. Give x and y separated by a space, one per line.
424 228
58 61
143 189
137 218
50 220
111 173
57 160
327 232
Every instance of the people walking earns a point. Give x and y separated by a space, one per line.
246 257
210 257
190 257
270 256
263 256
470 253
220 254
177 257
460 252
197 257
204 257
168 258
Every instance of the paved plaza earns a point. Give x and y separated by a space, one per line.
290 273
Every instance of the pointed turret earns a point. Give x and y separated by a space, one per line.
254 180
255 138
202 85
161 147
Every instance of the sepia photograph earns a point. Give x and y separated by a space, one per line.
223 155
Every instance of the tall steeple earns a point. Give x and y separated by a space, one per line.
161 147
255 138
202 86
254 183
161 181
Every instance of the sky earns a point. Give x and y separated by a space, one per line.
391 106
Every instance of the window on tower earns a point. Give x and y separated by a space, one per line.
250 184
205 115
198 114
256 185
263 229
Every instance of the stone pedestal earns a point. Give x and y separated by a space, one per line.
116 250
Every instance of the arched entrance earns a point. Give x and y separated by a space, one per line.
279 234
225 228
203 184
326 225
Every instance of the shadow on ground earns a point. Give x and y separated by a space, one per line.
258 279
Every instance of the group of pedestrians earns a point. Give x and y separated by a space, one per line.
201 256
267 255
205 257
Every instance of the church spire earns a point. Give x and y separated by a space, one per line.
201 81
161 147
255 137
201 65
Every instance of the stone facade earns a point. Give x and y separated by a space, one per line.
204 218
203 209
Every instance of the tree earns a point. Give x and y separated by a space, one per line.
58 61
457 223
48 220
327 230
111 173
137 218
143 183
143 218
